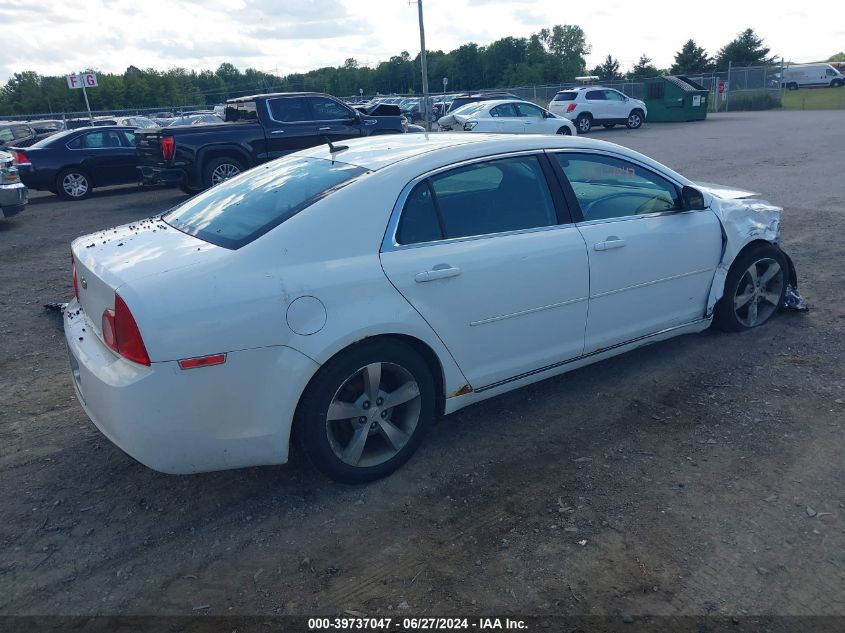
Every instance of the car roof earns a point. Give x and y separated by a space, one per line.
375 153
276 94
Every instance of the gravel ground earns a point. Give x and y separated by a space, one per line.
702 475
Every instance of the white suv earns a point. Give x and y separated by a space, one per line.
593 105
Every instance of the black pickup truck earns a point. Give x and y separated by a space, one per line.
257 129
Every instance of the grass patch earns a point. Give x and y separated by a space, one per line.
744 100
814 99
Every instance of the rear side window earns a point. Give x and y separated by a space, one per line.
240 210
289 109
6 134
596 95
98 140
496 196
245 111
22 131
565 96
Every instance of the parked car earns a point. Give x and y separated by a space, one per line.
196 118
136 122
356 292
13 193
595 105
16 133
72 163
461 100
506 117
47 126
797 76
258 129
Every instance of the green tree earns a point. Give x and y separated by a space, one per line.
839 57
568 44
691 60
643 68
745 50
608 70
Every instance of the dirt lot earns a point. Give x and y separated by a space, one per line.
703 475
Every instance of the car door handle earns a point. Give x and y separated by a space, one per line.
323 129
277 132
610 242
437 273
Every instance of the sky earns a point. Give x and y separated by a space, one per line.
56 37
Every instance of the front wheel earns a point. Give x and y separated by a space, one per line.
219 169
366 411
584 123
73 184
635 120
754 289
564 131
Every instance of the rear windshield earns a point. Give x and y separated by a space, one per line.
565 96
240 210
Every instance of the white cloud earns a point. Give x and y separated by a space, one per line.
61 36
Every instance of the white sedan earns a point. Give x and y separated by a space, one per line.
356 293
506 117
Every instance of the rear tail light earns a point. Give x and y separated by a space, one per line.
571 107
75 278
22 159
121 333
168 146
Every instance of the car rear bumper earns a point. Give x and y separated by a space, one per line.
161 176
178 421
13 199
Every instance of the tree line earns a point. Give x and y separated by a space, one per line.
551 55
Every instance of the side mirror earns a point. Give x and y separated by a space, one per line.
692 199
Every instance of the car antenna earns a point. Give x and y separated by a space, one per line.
334 148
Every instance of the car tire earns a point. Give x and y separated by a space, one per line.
792 86
608 125
564 131
73 184
219 169
584 123
836 83
388 436
754 291
635 120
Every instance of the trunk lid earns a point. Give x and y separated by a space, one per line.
148 146
109 259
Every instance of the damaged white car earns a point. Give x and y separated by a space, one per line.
355 292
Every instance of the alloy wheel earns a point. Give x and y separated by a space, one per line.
224 172
373 414
635 120
758 292
75 185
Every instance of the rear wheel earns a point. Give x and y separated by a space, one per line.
564 131
635 120
366 411
73 184
792 86
584 123
754 289
219 169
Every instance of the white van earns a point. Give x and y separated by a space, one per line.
798 76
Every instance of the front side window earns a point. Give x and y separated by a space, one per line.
529 110
328 109
507 194
289 109
608 187
613 95
830 72
240 210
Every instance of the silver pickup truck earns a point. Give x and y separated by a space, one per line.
13 193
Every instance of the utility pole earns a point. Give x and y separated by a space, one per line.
424 65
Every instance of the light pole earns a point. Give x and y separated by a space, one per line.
424 64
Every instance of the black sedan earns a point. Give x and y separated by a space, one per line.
72 163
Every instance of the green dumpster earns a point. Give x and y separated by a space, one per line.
675 98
